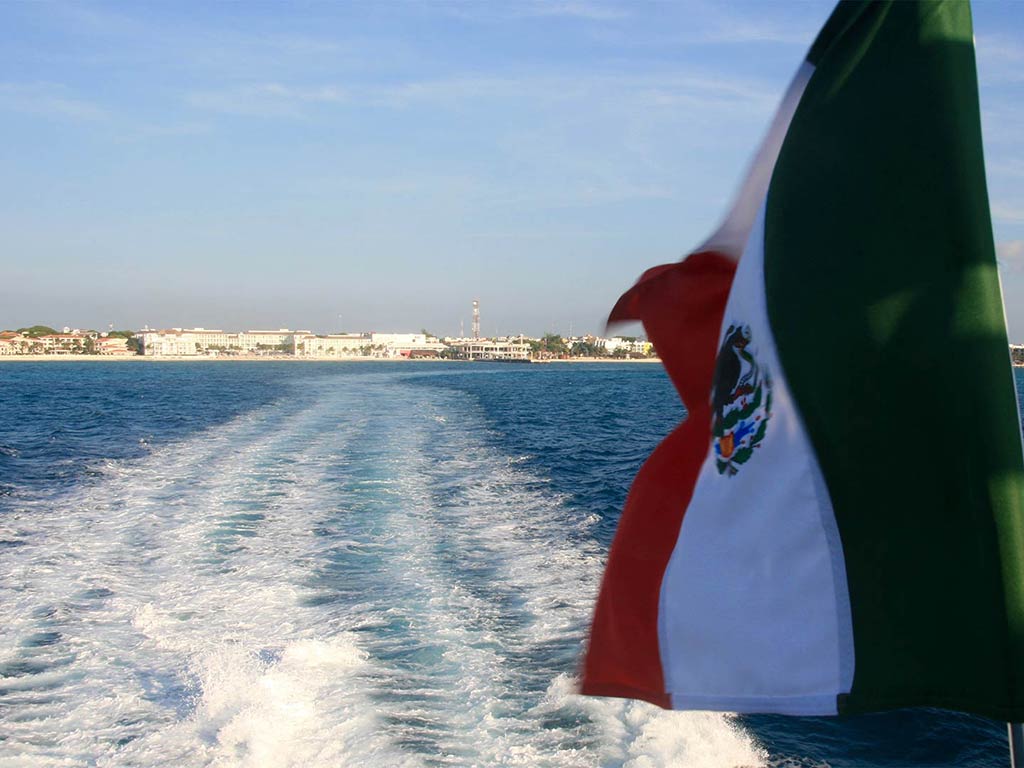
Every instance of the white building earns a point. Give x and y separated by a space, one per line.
490 349
630 346
64 343
210 339
332 345
173 342
13 343
280 340
185 342
114 346
403 344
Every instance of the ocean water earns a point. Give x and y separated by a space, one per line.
263 564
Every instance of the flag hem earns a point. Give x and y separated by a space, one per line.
809 705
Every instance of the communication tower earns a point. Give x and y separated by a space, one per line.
476 319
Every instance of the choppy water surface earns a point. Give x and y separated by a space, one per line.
261 564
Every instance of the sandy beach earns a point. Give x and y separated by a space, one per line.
281 359
605 360
209 359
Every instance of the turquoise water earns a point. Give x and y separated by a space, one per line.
264 564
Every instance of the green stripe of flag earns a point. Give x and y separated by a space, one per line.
884 299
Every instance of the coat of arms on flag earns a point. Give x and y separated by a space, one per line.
742 400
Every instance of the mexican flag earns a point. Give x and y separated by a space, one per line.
838 524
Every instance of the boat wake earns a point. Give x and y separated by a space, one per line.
354 578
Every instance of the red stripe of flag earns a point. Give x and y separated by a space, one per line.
681 306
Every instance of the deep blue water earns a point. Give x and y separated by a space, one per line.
364 564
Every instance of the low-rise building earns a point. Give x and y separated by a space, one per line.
186 342
268 342
404 344
72 343
624 345
331 345
116 346
210 339
490 349
172 342
13 343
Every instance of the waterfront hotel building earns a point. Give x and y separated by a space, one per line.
190 342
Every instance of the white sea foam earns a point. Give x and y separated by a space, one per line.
358 579
639 735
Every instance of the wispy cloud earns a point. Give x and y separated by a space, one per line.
1010 167
48 99
169 129
584 10
266 99
1000 59
682 91
706 91
711 24
740 30
602 191
106 37
94 20
1011 255
579 9
1010 212
769 24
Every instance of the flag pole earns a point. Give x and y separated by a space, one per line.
1016 744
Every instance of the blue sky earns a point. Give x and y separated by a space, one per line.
269 164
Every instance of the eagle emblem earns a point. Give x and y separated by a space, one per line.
741 402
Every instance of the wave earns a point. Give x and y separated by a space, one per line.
354 578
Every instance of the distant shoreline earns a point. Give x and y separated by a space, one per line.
600 360
289 359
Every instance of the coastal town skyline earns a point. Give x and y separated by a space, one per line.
460 328
245 166
37 341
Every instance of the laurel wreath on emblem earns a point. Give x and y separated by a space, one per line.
741 400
